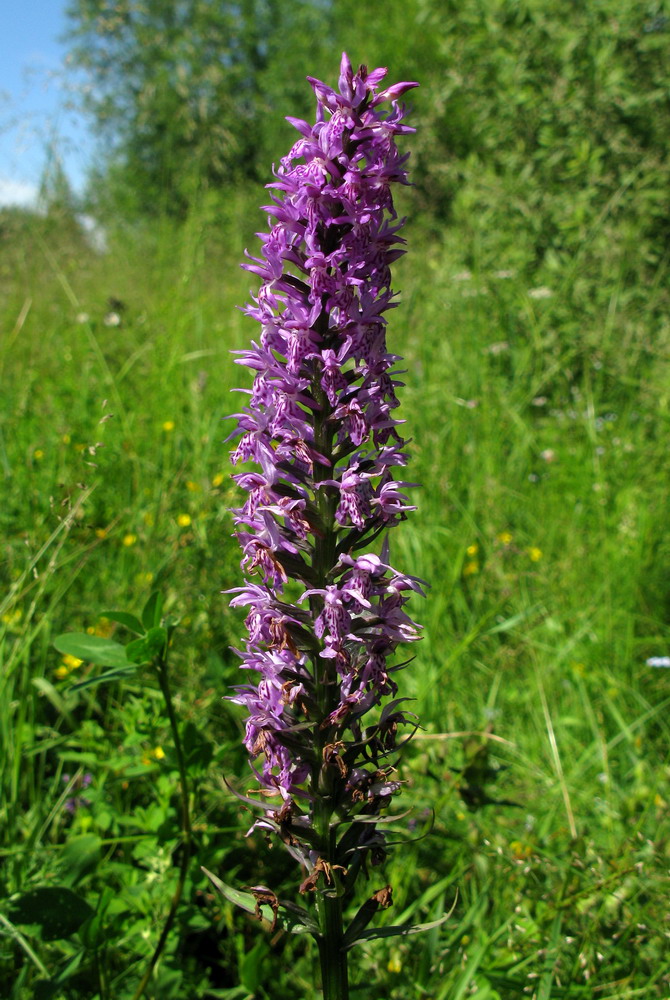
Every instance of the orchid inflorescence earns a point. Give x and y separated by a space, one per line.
325 613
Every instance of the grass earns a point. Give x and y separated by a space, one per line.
539 783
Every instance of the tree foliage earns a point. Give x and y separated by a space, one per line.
186 90
543 120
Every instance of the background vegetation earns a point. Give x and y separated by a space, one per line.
534 325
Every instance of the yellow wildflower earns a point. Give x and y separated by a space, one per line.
505 538
159 753
129 539
38 454
395 962
192 487
473 549
61 672
183 520
217 480
471 568
104 628
101 532
71 662
168 426
534 553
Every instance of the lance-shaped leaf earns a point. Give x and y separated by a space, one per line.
378 900
152 611
397 930
108 677
291 918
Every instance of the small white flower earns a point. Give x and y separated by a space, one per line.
540 293
497 348
658 661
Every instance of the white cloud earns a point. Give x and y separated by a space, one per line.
21 193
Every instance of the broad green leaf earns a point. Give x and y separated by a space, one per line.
79 858
156 639
56 910
126 619
148 647
290 918
92 649
152 611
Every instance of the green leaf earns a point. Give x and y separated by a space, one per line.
251 968
157 639
147 648
153 609
92 649
362 919
397 930
109 676
47 689
126 619
290 917
56 910
80 857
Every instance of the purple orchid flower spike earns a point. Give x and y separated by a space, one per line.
326 613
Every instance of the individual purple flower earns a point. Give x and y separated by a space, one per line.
325 611
77 784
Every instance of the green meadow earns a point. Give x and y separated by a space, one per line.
533 325
538 785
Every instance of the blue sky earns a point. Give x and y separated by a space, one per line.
35 95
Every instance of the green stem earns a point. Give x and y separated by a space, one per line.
334 966
187 835
23 943
333 957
